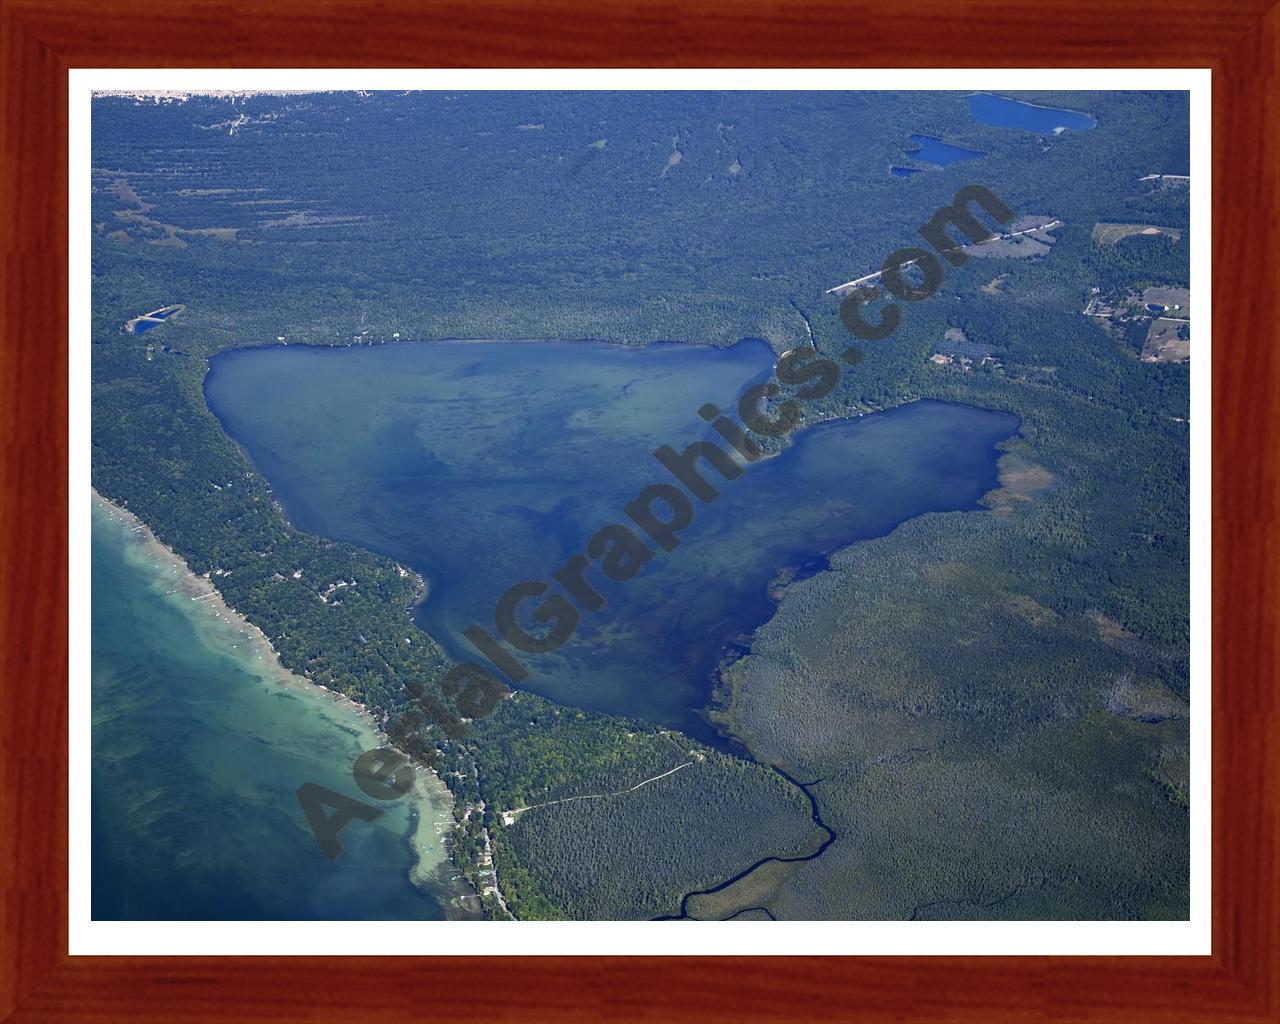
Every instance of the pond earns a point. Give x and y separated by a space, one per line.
932 150
145 322
1002 112
485 464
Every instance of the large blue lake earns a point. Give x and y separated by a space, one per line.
484 464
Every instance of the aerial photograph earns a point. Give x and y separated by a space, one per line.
640 505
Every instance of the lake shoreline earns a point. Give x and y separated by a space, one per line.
425 802
383 449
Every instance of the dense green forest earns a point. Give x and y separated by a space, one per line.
631 856
994 702
621 823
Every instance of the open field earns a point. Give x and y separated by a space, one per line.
1168 341
1176 300
1027 236
1109 234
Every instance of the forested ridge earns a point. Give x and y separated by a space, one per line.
337 219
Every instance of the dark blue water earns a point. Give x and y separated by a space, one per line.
198 748
1154 308
142 326
486 464
933 150
904 172
1006 113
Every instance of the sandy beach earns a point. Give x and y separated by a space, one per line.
431 803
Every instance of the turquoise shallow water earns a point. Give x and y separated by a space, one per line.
198 747
486 464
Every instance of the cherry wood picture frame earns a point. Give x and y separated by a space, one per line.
41 39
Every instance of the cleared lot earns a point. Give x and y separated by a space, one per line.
1109 234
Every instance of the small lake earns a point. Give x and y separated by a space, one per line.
932 150
198 748
484 464
1002 112
145 322
904 172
